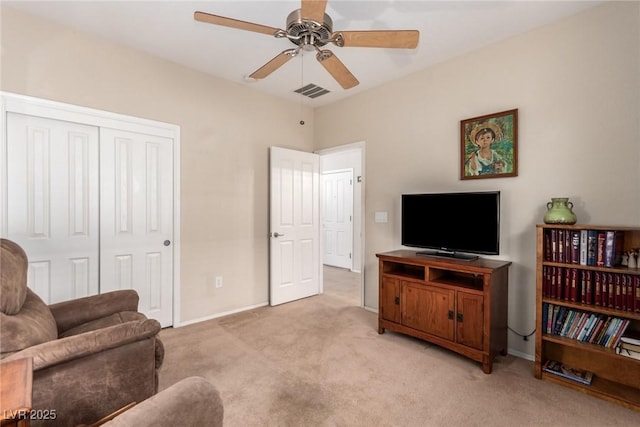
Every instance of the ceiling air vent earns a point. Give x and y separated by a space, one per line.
312 91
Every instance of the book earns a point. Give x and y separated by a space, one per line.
628 353
592 241
630 339
629 346
613 248
546 309
587 287
613 325
593 328
596 331
617 334
559 319
603 328
597 288
578 375
575 247
554 244
587 327
636 294
600 248
573 292
572 317
583 247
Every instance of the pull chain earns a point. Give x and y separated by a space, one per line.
302 85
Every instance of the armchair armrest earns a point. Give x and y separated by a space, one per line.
69 314
192 401
65 349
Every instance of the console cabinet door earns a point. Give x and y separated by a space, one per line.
390 299
428 309
469 316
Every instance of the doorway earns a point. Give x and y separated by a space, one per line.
349 157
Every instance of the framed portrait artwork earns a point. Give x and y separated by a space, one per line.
489 146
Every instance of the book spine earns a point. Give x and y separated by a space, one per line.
624 323
588 287
600 249
573 295
636 294
592 242
609 248
554 284
583 247
587 327
611 290
554 244
597 288
596 331
575 247
547 245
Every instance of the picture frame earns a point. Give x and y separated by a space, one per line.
489 146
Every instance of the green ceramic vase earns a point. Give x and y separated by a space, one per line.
559 212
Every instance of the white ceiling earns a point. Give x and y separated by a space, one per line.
167 29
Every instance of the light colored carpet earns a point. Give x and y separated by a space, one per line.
321 362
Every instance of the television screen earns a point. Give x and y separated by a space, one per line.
452 222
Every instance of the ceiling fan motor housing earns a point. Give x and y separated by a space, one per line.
304 31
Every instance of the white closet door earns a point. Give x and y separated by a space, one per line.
52 203
136 210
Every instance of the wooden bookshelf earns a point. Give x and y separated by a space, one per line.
616 377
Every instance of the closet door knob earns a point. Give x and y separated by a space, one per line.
167 242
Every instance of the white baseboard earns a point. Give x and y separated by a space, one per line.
215 316
521 355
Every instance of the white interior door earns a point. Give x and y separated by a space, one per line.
337 218
52 203
295 225
136 227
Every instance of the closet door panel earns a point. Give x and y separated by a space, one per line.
136 228
52 203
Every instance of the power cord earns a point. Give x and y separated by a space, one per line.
524 337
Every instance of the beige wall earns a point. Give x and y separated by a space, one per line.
226 130
576 84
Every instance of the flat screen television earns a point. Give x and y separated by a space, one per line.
452 225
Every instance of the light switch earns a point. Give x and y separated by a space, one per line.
380 217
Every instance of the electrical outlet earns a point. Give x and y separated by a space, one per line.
218 281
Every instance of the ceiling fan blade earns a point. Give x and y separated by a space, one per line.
403 39
277 62
336 68
314 10
235 23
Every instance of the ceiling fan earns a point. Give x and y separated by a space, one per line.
310 28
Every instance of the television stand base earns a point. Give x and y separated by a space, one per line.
450 255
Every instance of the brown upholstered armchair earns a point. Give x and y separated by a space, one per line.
91 355
192 401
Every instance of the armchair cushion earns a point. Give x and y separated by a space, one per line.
32 325
104 322
192 401
74 313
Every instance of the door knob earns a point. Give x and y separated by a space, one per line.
276 234
167 242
